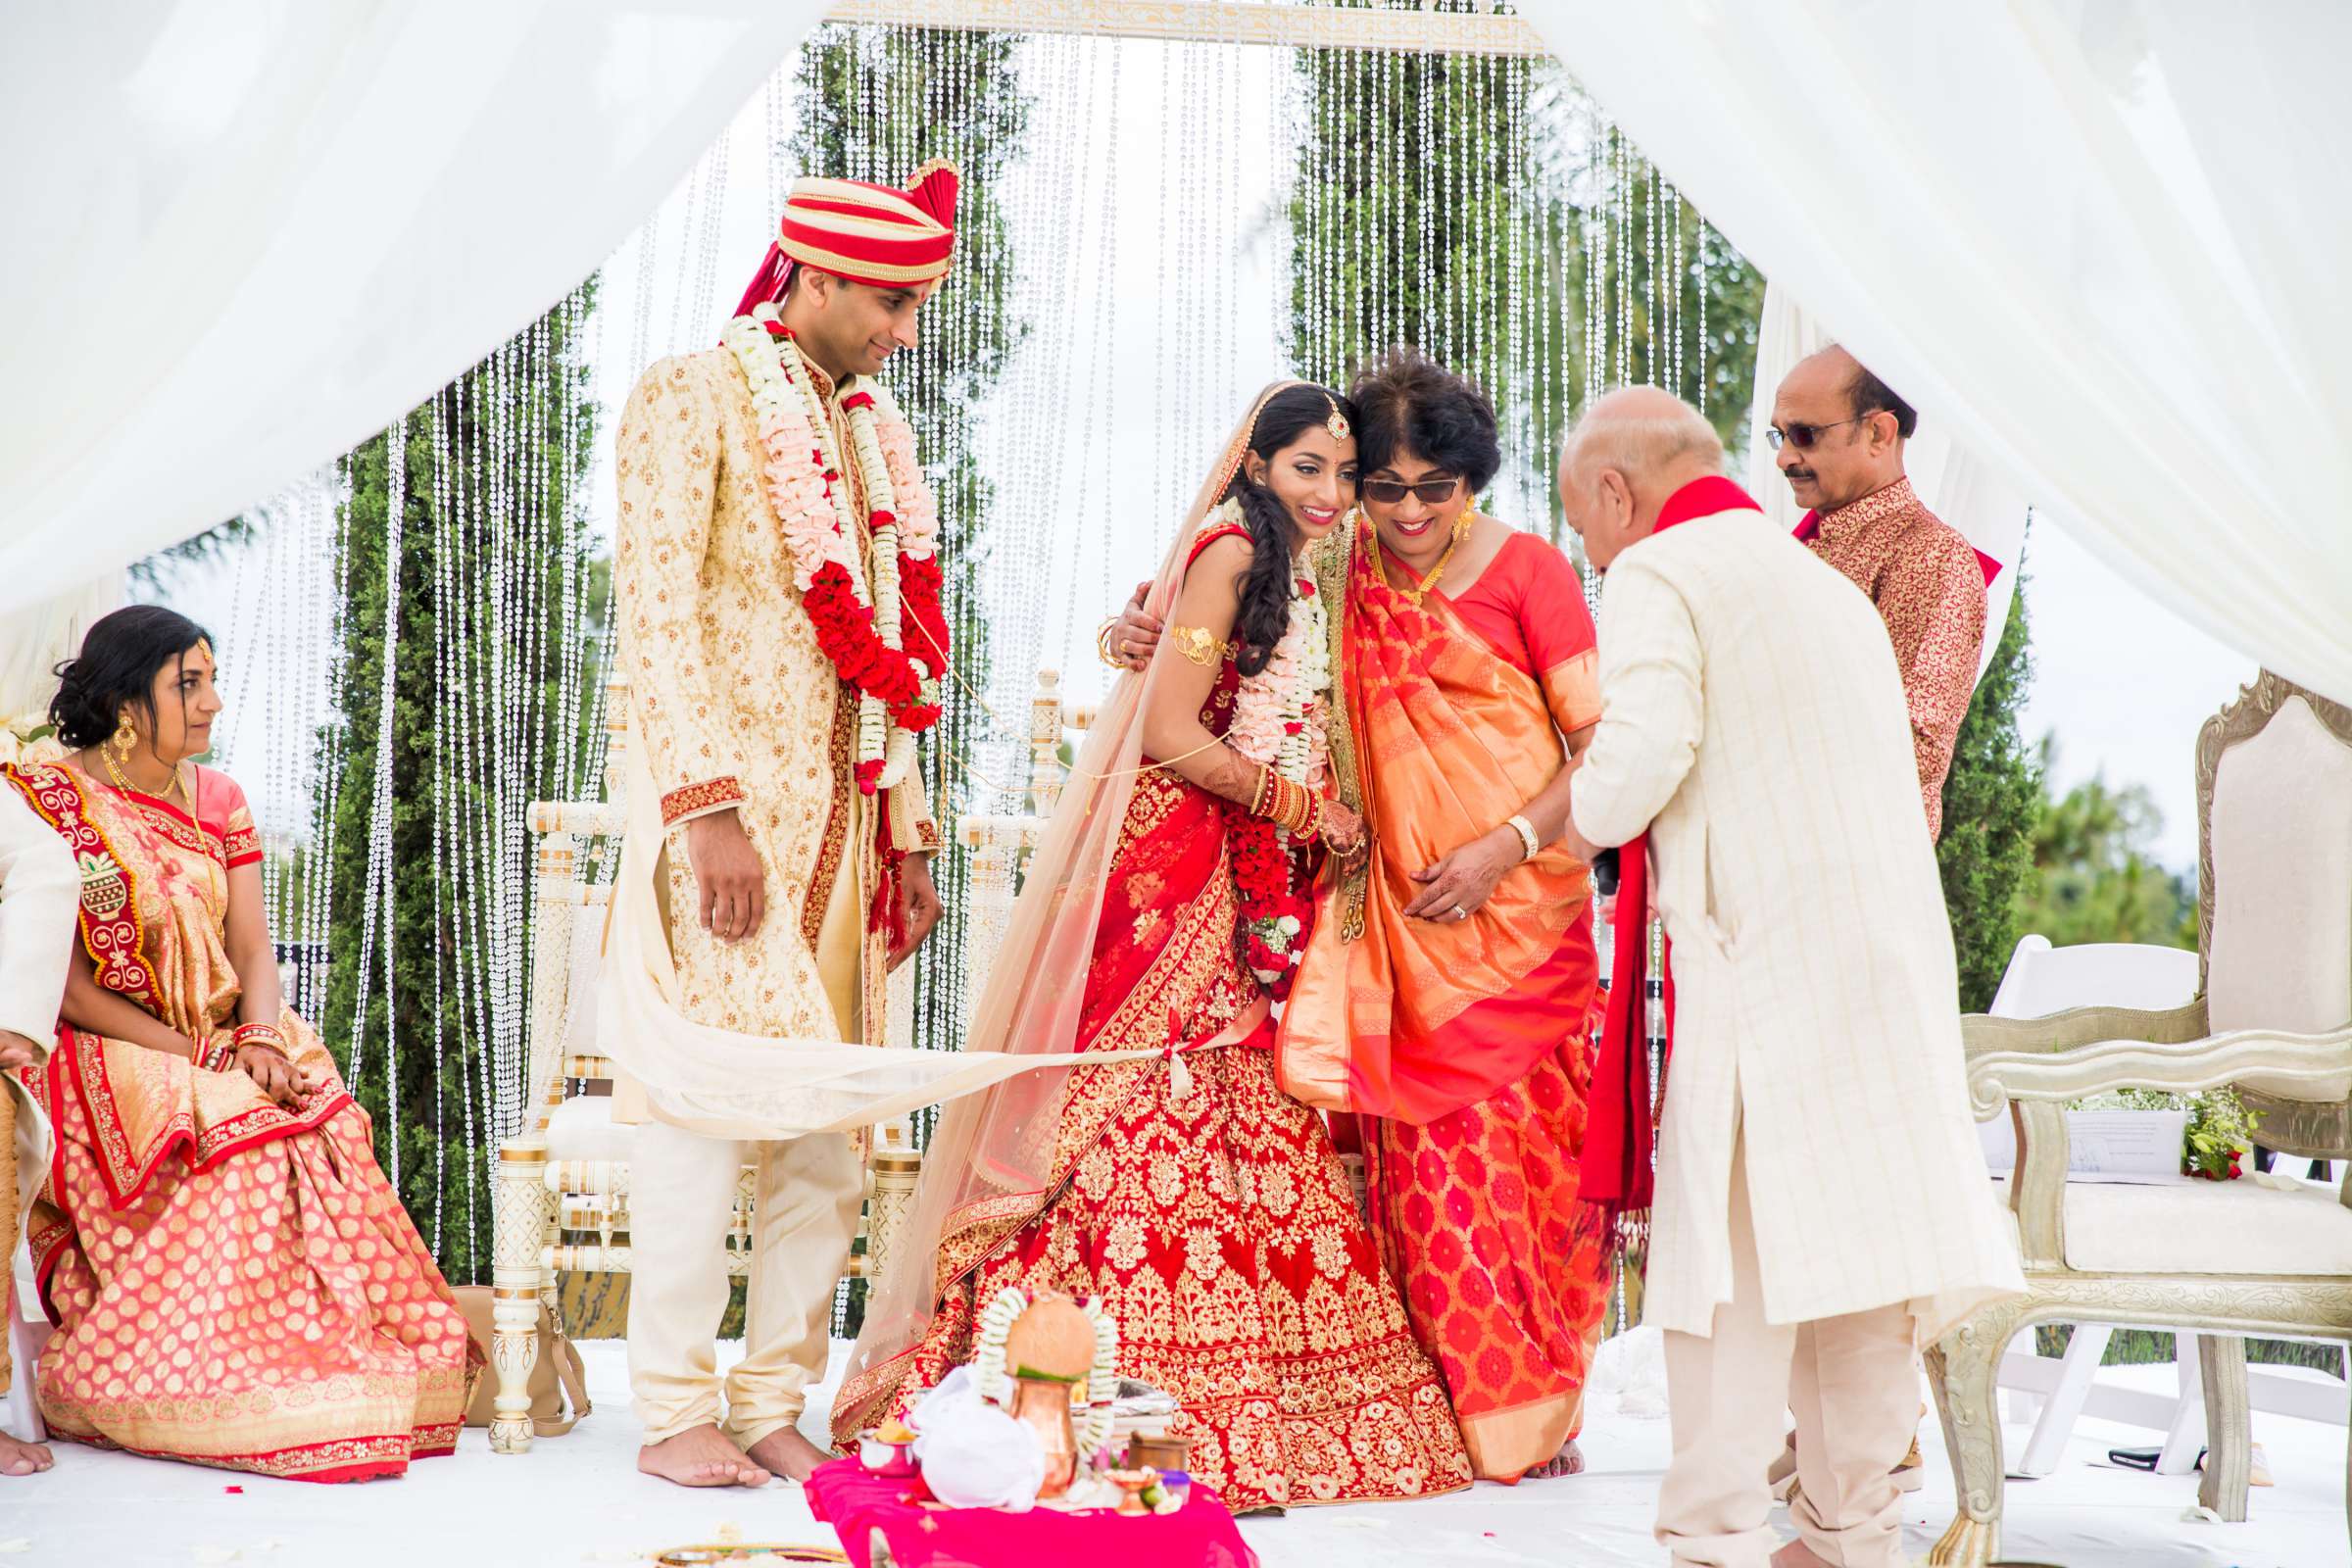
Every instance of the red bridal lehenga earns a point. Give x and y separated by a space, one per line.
233 1284
1217 1223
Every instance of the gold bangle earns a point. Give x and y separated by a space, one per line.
1528 842
1102 643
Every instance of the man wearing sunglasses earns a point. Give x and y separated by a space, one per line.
1837 434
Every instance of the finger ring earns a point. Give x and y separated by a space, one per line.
1460 913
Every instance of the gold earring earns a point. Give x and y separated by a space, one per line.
126 737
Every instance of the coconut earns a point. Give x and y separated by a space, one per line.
1055 1338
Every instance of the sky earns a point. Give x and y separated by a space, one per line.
1163 322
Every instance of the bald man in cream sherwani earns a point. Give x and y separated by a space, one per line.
1821 1199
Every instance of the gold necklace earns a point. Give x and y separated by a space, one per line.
177 781
1415 593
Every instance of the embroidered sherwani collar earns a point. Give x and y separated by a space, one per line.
1882 504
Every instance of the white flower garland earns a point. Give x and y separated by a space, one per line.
820 523
1290 691
994 1380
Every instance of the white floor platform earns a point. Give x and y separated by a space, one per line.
577 1500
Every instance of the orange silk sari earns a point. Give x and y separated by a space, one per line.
1466 1046
1419 1018
233 1284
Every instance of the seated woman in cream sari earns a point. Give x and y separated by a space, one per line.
233 1279
1164 909
1445 996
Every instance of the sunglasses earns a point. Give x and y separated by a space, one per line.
1387 492
1801 436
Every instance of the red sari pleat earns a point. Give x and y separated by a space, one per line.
1474 1213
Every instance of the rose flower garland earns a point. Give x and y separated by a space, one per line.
1278 722
887 639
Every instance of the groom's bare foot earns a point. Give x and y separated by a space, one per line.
700 1457
787 1454
1569 1461
21 1458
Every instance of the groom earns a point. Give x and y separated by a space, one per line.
770 504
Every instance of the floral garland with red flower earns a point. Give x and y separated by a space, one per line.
1279 721
886 637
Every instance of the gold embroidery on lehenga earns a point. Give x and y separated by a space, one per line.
1223 1233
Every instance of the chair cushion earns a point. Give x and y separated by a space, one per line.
582 1128
2236 1227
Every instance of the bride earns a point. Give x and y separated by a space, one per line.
1165 909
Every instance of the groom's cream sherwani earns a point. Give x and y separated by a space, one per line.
736 708
1816 1157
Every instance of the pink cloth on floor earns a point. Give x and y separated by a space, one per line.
856 1502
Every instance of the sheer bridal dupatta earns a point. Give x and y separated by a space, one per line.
984 1174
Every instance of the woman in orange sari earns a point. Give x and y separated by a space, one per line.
1444 995
233 1279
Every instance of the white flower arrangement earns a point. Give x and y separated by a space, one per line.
1278 714
994 1378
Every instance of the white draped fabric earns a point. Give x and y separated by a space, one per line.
2105 241
1959 487
248 233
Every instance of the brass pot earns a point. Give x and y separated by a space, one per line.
1045 1405
1160 1453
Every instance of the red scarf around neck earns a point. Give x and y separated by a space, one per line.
1615 1179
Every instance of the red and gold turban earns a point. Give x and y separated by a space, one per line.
867 234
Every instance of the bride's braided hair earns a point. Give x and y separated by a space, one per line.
1265 587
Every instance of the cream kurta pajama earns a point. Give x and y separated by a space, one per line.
737 708
1821 1192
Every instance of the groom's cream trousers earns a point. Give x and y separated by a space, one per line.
805 1197
1855 1393
681 1197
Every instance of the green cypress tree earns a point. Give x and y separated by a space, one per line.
1991 801
498 496
1469 242
875 102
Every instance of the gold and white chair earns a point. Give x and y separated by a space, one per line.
1000 844
562 1198
2272 1018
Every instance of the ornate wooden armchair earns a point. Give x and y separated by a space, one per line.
2274 1017
561 1195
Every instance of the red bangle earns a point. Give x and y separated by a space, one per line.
264 1035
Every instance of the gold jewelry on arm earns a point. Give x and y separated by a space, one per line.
1198 644
1528 842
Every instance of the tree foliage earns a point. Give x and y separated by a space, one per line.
1437 204
423 1073
1992 803
2096 878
